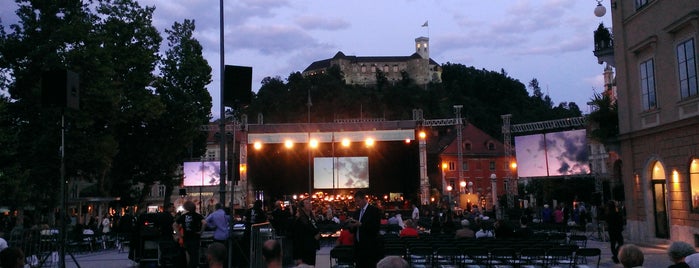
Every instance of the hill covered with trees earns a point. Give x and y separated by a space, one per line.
485 96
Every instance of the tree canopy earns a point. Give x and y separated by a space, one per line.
139 110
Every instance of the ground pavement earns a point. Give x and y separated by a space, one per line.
655 256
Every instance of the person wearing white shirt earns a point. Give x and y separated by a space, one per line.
416 213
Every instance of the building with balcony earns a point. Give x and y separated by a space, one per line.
655 56
362 70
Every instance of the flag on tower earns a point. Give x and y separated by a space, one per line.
425 24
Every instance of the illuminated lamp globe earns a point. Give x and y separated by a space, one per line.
600 10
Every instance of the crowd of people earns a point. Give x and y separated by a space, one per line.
361 223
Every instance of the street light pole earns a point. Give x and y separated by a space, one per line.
222 119
308 128
494 186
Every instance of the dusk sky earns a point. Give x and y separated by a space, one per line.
550 40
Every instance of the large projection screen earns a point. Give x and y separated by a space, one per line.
552 154
204 173
341 172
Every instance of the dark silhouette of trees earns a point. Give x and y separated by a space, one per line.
485 95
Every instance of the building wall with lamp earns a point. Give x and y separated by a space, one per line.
655 49
482 156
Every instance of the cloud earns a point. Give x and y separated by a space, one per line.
272 39
321 23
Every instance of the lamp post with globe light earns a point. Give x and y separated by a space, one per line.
449 188
494 188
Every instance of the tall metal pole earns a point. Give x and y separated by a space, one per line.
64 207
308 126
222 120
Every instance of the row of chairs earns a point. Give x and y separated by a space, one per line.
450 256
499 257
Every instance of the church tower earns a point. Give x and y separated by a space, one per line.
422 47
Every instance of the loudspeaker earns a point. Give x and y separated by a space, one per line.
183 191
237 85
60 88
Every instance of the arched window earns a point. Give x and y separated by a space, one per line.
658 172
491 146
694 184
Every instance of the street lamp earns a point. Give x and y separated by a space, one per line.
463 186
494 188
449 188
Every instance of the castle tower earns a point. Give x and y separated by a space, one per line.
422 47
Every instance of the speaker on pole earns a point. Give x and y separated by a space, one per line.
60 88
237 85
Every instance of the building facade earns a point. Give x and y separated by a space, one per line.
655 49
482 157
362 70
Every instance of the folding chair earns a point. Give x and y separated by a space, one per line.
503 257
584 255
342 257
447 256
560 257
578 240
420 256
476 257
532 257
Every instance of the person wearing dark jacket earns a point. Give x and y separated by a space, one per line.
365 225
615 225
306 235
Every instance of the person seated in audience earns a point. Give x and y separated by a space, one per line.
465 231
346 237
392 262
503 229
410 229
630 256
12 257
483 232
677 251
692 260
216 255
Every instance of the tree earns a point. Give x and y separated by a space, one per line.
125 112
48 35
604 120
182 89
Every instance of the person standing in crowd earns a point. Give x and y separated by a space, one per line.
191 223
306 240
558 216
106 228
546 214
280 218
256 214
219 221
615 225
677 251
216 255
272 254
415 216
365 225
